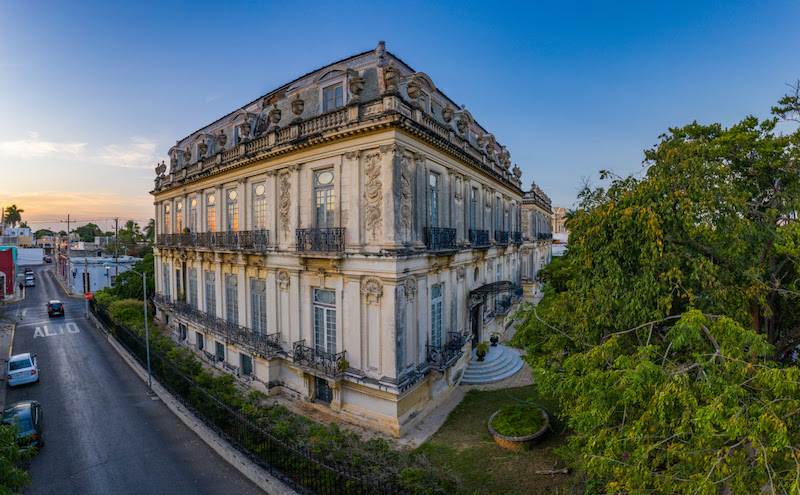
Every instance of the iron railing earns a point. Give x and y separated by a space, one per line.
266 345
245 240
479 238
501 237
322 240
440 238
296 466
441 357
327 363
516 237
543 236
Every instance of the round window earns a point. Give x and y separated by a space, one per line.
193 203
260 189
325 178
232 194
211 199
433 180
325 297
179 206
166 208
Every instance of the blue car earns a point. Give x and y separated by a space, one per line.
27 416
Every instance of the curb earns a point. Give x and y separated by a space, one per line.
3 383
62 286
248 468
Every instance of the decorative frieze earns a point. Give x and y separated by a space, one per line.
410 288
283 279
405 196
372 288
373 196
284 202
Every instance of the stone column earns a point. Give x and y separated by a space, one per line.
420 215
355 332
354 234
219 285
242 190
389 174
243 291
272 206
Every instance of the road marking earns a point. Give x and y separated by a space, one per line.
23 312
70 327
45 322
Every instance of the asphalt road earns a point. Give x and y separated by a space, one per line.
103 434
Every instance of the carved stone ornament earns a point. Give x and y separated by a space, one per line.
173 163
274 115
448 114
259 286
405 196
488 198
481 141
202 149
517 172
413 88
298 105
283 279
161 168
187 156
490 150
459 188
461 272
462 125
410 287
372 288
356 84
222 140
391 75
285 202
245 128
373 196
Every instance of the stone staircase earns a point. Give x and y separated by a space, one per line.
500 363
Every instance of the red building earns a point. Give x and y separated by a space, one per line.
7 271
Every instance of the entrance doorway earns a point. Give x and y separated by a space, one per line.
475 324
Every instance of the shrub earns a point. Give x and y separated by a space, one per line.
518 420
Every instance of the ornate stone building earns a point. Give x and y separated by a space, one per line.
538 234
344 239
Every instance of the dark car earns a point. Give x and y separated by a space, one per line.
27 415
48 258
55 308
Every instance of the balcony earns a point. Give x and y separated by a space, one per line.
440 239
245 240
516 237
327 363
544 236
321 240
266 345
479 238
442 357
501 237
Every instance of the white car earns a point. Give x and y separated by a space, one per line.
22 368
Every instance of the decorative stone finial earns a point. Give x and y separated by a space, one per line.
391 75
413 88
356 84
222 139
481 141
173 163
275 115
298 105
448 114
187 156
517 172
202 148
245 128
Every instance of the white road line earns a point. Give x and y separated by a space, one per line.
46 322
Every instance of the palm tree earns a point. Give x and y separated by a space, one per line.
134 229
150 230
13 215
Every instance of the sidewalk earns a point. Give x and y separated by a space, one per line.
6 339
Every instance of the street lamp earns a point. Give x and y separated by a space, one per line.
146 330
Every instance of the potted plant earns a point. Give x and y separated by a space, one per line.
494 338
517 426
481 350
343 364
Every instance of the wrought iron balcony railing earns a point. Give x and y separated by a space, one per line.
245 240
479 238
440 238
267 345
322 240
161 240
543 236
516 237
501 237
441 357
327 363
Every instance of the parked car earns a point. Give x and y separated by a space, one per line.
48 258
27 415
28 271
22 368
30 281
55 308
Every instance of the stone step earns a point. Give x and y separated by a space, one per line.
499 363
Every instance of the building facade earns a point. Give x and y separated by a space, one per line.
343 240
537 231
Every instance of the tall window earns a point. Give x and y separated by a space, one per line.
433 189
436 315
473 210
231 298
166 281
211 217
193 287
192 215
232 216
220 351
258 304
246 364
201 340
333 97
498 215
166 219
211 294
178 216
325 320
259 207
323 192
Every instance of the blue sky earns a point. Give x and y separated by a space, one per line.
93 94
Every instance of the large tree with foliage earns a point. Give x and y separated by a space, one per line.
128 285
13 215
12 477
88 232
677 300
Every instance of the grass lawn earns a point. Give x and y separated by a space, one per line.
464 444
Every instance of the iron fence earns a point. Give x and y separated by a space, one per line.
543 236
440 238
246 240
442 357
501 236
293 465
516 237
479 238
330 364
322 240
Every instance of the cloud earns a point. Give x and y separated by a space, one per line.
35 147
139 152
209 99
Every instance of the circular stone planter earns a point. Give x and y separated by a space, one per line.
518 443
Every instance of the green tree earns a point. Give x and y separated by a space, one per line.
150 230
13 215
24 225
12 477
42 232
128 285
88 232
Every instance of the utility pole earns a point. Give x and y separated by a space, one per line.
69 259
86 286
116 248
